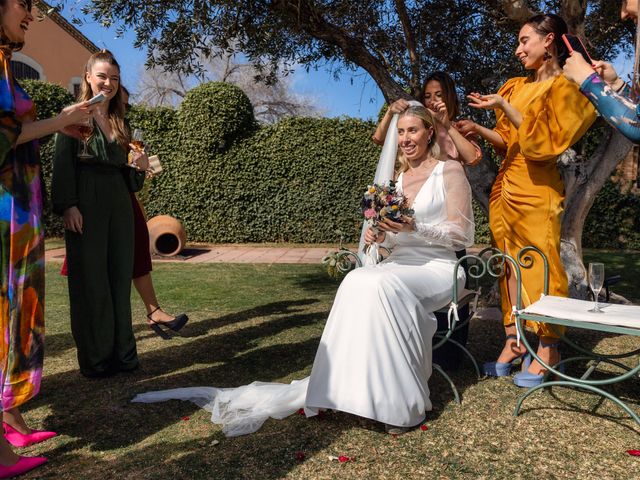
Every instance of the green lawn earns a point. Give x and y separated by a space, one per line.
259 322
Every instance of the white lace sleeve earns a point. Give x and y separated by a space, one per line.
458 229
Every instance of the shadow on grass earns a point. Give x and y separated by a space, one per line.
486 339
267 454
61 343
318 282
227 359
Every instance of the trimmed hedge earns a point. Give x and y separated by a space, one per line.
230 180
614 220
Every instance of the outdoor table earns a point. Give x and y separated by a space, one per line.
620 319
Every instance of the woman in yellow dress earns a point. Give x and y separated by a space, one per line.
537 118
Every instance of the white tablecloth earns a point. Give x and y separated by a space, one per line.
577 310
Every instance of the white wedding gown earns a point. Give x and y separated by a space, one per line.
374 357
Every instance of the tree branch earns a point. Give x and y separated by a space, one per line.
574 11
583 181
304 18
414 60
516 10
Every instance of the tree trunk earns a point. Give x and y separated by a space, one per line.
583 181
481 178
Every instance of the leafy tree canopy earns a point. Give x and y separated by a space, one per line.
396 41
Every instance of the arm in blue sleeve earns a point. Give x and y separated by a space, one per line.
618 110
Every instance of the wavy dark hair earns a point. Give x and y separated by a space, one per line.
449 94
546 23
4 41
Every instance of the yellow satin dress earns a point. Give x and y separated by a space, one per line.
527 197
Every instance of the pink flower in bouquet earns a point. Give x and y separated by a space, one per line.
384 202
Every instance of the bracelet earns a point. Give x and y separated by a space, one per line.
621 87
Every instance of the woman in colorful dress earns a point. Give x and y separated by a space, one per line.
94 198
611 95
21 243
537 118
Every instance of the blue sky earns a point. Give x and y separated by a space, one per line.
353 95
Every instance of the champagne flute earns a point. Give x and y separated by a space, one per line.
85 129
137 140
596 280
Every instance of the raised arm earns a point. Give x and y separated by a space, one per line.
615 107
467 150
70 115
380 134
469 127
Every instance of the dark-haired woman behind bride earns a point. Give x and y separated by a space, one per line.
374 358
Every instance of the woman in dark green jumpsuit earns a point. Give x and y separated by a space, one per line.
93 196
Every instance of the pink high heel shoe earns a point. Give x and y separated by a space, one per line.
23 465
18 439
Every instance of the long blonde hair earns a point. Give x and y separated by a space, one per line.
428 121
116 107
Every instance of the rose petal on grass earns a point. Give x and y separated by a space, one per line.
185 419
300 456
301 411
634 453
424 428
344 458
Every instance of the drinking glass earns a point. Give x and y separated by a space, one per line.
85 129
596 279
137 140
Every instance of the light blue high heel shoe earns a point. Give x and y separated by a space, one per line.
527 379
503 369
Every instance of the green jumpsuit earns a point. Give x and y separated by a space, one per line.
100 259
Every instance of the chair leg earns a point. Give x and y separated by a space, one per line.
448 379
469 354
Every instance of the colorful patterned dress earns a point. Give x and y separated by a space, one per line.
21 247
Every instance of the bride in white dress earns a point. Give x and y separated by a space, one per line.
374 357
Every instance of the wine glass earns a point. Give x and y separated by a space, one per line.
596 279
137 140
85 129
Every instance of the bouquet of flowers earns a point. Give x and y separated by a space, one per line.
382 202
